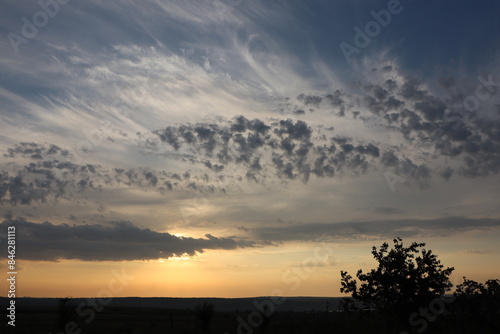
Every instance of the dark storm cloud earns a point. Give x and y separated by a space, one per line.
335 99
432 108
451 130
20 189
46 179
42 179
375 229
313 100
284 148
35 151
447 173
393 103
439 125
380 93
390 84
389 159
369 149
411 89
393 117
298 130
171 136
118 241
306 103
374 105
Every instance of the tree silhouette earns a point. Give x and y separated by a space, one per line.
471 287
479 304
406 278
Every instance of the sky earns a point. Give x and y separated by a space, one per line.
239 148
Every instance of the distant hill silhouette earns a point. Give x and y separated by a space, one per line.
295 304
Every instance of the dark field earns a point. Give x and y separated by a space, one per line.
120 316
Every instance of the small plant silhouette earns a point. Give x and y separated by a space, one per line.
66 311
205 312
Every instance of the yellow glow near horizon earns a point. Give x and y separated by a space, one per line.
236 273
